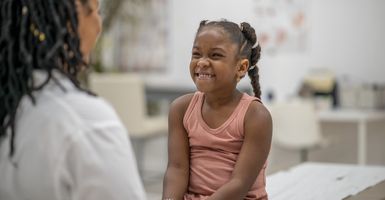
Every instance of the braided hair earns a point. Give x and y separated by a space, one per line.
243 35
35 34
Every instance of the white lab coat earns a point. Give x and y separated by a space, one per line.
69 146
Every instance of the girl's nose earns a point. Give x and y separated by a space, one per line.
203 62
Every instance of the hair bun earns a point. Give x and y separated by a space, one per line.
248 32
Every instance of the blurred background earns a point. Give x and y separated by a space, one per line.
324 54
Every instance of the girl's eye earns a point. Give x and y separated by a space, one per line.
217 55
196 54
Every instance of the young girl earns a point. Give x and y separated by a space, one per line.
219 138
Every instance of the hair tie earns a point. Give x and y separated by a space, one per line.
41 37
255 45
252 67
241 27
208 21
24 10
38 34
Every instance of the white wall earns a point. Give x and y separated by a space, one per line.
347 36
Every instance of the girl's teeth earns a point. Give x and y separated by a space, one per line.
204 75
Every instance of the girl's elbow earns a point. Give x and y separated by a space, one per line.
178 168
241 186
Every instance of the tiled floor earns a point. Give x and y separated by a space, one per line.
342 149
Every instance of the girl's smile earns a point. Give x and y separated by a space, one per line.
204 76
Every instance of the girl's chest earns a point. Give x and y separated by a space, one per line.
214 118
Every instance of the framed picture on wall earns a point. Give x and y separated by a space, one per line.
282 25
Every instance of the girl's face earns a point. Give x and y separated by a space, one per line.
89 27
214 64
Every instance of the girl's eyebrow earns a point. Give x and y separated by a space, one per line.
218 48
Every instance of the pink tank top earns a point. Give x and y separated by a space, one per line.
214 152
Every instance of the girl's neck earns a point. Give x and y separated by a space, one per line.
215 100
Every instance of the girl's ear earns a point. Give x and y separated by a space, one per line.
243 67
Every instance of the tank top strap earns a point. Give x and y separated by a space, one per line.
245 103
196 100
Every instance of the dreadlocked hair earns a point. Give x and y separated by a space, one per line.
243 35
34 34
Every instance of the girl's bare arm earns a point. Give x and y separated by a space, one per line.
176 178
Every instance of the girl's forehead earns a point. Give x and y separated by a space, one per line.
214 38
213 29
213 33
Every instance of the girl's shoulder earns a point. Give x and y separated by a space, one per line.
181 103
257 111
258 123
